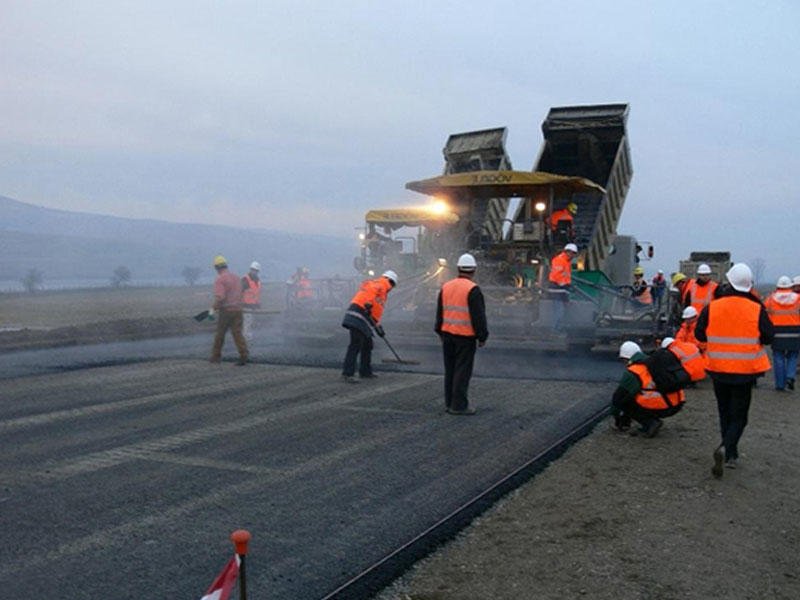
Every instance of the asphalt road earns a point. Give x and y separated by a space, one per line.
124 481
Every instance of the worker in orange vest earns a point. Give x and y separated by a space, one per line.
640 289
363 316
686 332
560 282
700 291
561 223
677 299
461 325
251 298
783 308
735 328
690 356
637 398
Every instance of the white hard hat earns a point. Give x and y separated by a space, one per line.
571 248
255 265
666 342
740 277
391 276
466 262
796 280
628 349
704 269
784 282
689 312
660 272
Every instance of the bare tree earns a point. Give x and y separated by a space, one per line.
32 281
191 274
758 266
121 276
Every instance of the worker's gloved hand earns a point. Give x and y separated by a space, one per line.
379 330
211 312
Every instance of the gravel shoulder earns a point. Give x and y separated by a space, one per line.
622 517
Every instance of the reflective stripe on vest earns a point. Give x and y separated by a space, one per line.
692 360
455 307
649 397
733 337
783 314
252 295
304 288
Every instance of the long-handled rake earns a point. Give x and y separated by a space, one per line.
397 359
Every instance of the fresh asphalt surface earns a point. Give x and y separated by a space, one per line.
125 466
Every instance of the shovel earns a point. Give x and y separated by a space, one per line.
397 359
202 316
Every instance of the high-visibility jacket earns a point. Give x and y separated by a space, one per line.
783 308
642 294
303 289
733 337
700 296
649 397
560 215
373 292
561 269
686 334
692 360
455 307
252 294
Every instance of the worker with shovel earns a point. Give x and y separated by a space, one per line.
362 316
461 324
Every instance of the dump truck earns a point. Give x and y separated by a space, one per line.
502 216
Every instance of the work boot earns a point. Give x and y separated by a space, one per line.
369 376
719 456
790 383
241 362
466 412
731 463
349 379
652 428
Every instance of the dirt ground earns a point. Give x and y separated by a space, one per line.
621 517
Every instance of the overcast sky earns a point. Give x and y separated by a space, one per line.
303 115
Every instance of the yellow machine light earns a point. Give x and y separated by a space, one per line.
439 207
540 206
362 237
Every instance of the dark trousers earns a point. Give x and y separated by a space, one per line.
626 408
733 404
459 357
229 319
360 343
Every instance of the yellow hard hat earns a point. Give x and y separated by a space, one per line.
678 277
638 271
572 207
219 261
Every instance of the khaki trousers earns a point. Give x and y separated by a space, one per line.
229 319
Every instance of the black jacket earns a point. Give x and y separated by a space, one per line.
477 314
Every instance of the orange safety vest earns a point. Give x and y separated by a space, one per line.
734 344
374 292
700 296
649 397
686 334
561 269
455 307
252 295
692 360
560 215
783 314
304 288
645 297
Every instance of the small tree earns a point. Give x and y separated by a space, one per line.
191 274
32 281
121 277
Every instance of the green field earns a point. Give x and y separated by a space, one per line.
53 309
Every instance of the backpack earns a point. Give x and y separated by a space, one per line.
667 371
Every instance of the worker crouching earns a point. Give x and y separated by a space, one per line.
362 317
461 325
636 397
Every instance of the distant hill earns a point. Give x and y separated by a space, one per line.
65 245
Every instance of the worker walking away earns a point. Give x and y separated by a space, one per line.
783 308
560 283
657 288
640 290
561 224
228 307
636 397
700 291
735 329
362 317
461 325
251 298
